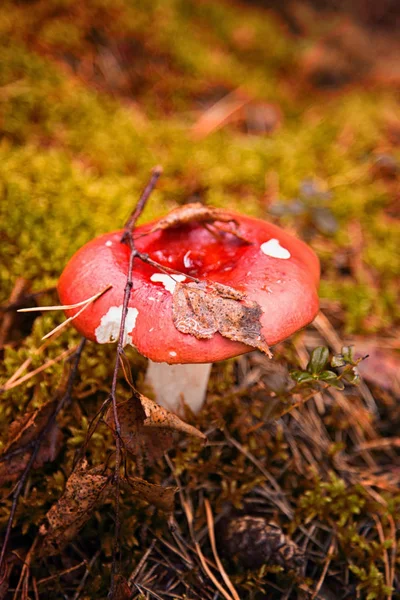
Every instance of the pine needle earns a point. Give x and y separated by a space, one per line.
84 304
224 575
66 306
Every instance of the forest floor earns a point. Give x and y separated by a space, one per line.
288 117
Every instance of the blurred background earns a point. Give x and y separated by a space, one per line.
288 111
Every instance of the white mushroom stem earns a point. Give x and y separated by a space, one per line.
176 385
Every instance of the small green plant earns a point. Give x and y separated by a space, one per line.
316 370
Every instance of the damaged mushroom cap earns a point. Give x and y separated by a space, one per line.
277 271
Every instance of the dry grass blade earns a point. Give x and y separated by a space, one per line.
380 444
211 534
12 384
26 363
385 557
189 517
209 573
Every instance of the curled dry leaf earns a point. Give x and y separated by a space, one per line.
147 426
84 491
196 212
159 496
202 312
22 434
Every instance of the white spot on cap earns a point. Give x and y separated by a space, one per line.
172 353
108 243
274 249
110 323
168 281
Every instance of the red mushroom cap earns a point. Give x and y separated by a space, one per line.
276 270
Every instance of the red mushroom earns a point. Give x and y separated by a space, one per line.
267 265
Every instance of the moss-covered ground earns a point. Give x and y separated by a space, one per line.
92 96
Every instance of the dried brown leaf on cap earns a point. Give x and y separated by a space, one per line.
202 311
85 489
161 497
147 426
190 213
22 434
196 212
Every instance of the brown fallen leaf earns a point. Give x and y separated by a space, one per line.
26 428
84 491
12 468
147 427
203 311
159 417
159 496
23 433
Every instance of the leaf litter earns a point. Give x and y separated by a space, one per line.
85 489
23 433
147 425
202 311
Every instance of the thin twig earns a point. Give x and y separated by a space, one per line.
137 211
126 238
65 398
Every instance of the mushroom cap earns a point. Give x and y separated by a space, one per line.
276 270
